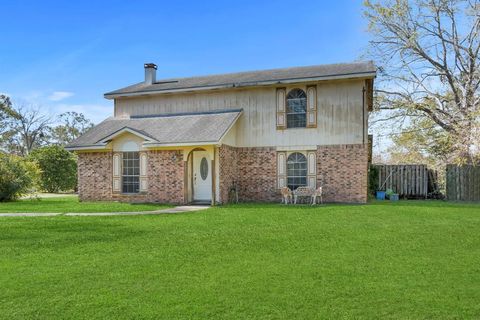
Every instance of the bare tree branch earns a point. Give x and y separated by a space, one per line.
428 51
25 128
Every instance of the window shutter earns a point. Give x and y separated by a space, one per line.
282 169
312 169
281 111
143 172
311 107
117 172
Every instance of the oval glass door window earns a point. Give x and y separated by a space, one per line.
204 168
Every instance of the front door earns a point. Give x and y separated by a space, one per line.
202 176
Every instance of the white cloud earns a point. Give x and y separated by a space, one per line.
60 95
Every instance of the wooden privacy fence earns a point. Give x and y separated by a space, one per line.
463 183
409 181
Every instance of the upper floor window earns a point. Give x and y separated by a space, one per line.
296 109
296 170
131 172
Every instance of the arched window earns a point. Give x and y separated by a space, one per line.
296 170
296 109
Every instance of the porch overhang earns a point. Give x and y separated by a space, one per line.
162 131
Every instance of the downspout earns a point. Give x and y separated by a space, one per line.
214 182
363 115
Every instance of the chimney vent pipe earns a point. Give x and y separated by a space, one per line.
150 73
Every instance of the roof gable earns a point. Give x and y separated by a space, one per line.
126 129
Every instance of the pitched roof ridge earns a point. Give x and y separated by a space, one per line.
159 81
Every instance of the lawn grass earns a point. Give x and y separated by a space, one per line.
408 260
71 204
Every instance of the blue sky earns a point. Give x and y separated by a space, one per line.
63 55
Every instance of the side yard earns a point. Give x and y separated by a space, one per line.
383 260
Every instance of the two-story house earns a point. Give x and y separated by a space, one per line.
191 139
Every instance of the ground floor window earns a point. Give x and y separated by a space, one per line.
131 172
296 170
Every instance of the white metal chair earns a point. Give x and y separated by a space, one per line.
317 193
302 192
286 195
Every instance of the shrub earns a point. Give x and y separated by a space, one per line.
372 179
389 192
18 176
58 168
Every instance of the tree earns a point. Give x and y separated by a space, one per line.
23 128
421 143
17 176
5 110
58 168
428 51
72 125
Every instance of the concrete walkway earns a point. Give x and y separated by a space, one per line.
179 209
30 214
49 195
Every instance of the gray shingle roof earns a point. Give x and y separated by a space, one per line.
251 78
205 127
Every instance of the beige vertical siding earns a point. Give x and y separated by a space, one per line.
340 113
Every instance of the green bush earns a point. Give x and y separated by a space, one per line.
389 192
18 176
372 179
58 168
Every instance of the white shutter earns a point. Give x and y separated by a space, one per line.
143 172
282 169
312 169
281 111
117 170
312 107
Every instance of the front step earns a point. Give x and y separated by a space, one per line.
200 203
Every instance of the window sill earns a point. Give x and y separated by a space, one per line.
143 193
297 128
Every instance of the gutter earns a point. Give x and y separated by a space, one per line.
89 147
146 145
183 144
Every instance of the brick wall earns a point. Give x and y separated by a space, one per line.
254 170
342 171
257 174
164 176
228 170
95 176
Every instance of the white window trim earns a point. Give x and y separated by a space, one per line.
139 174
282 158
287 113
304 153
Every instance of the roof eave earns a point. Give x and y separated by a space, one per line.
86 147
179 144
369 74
